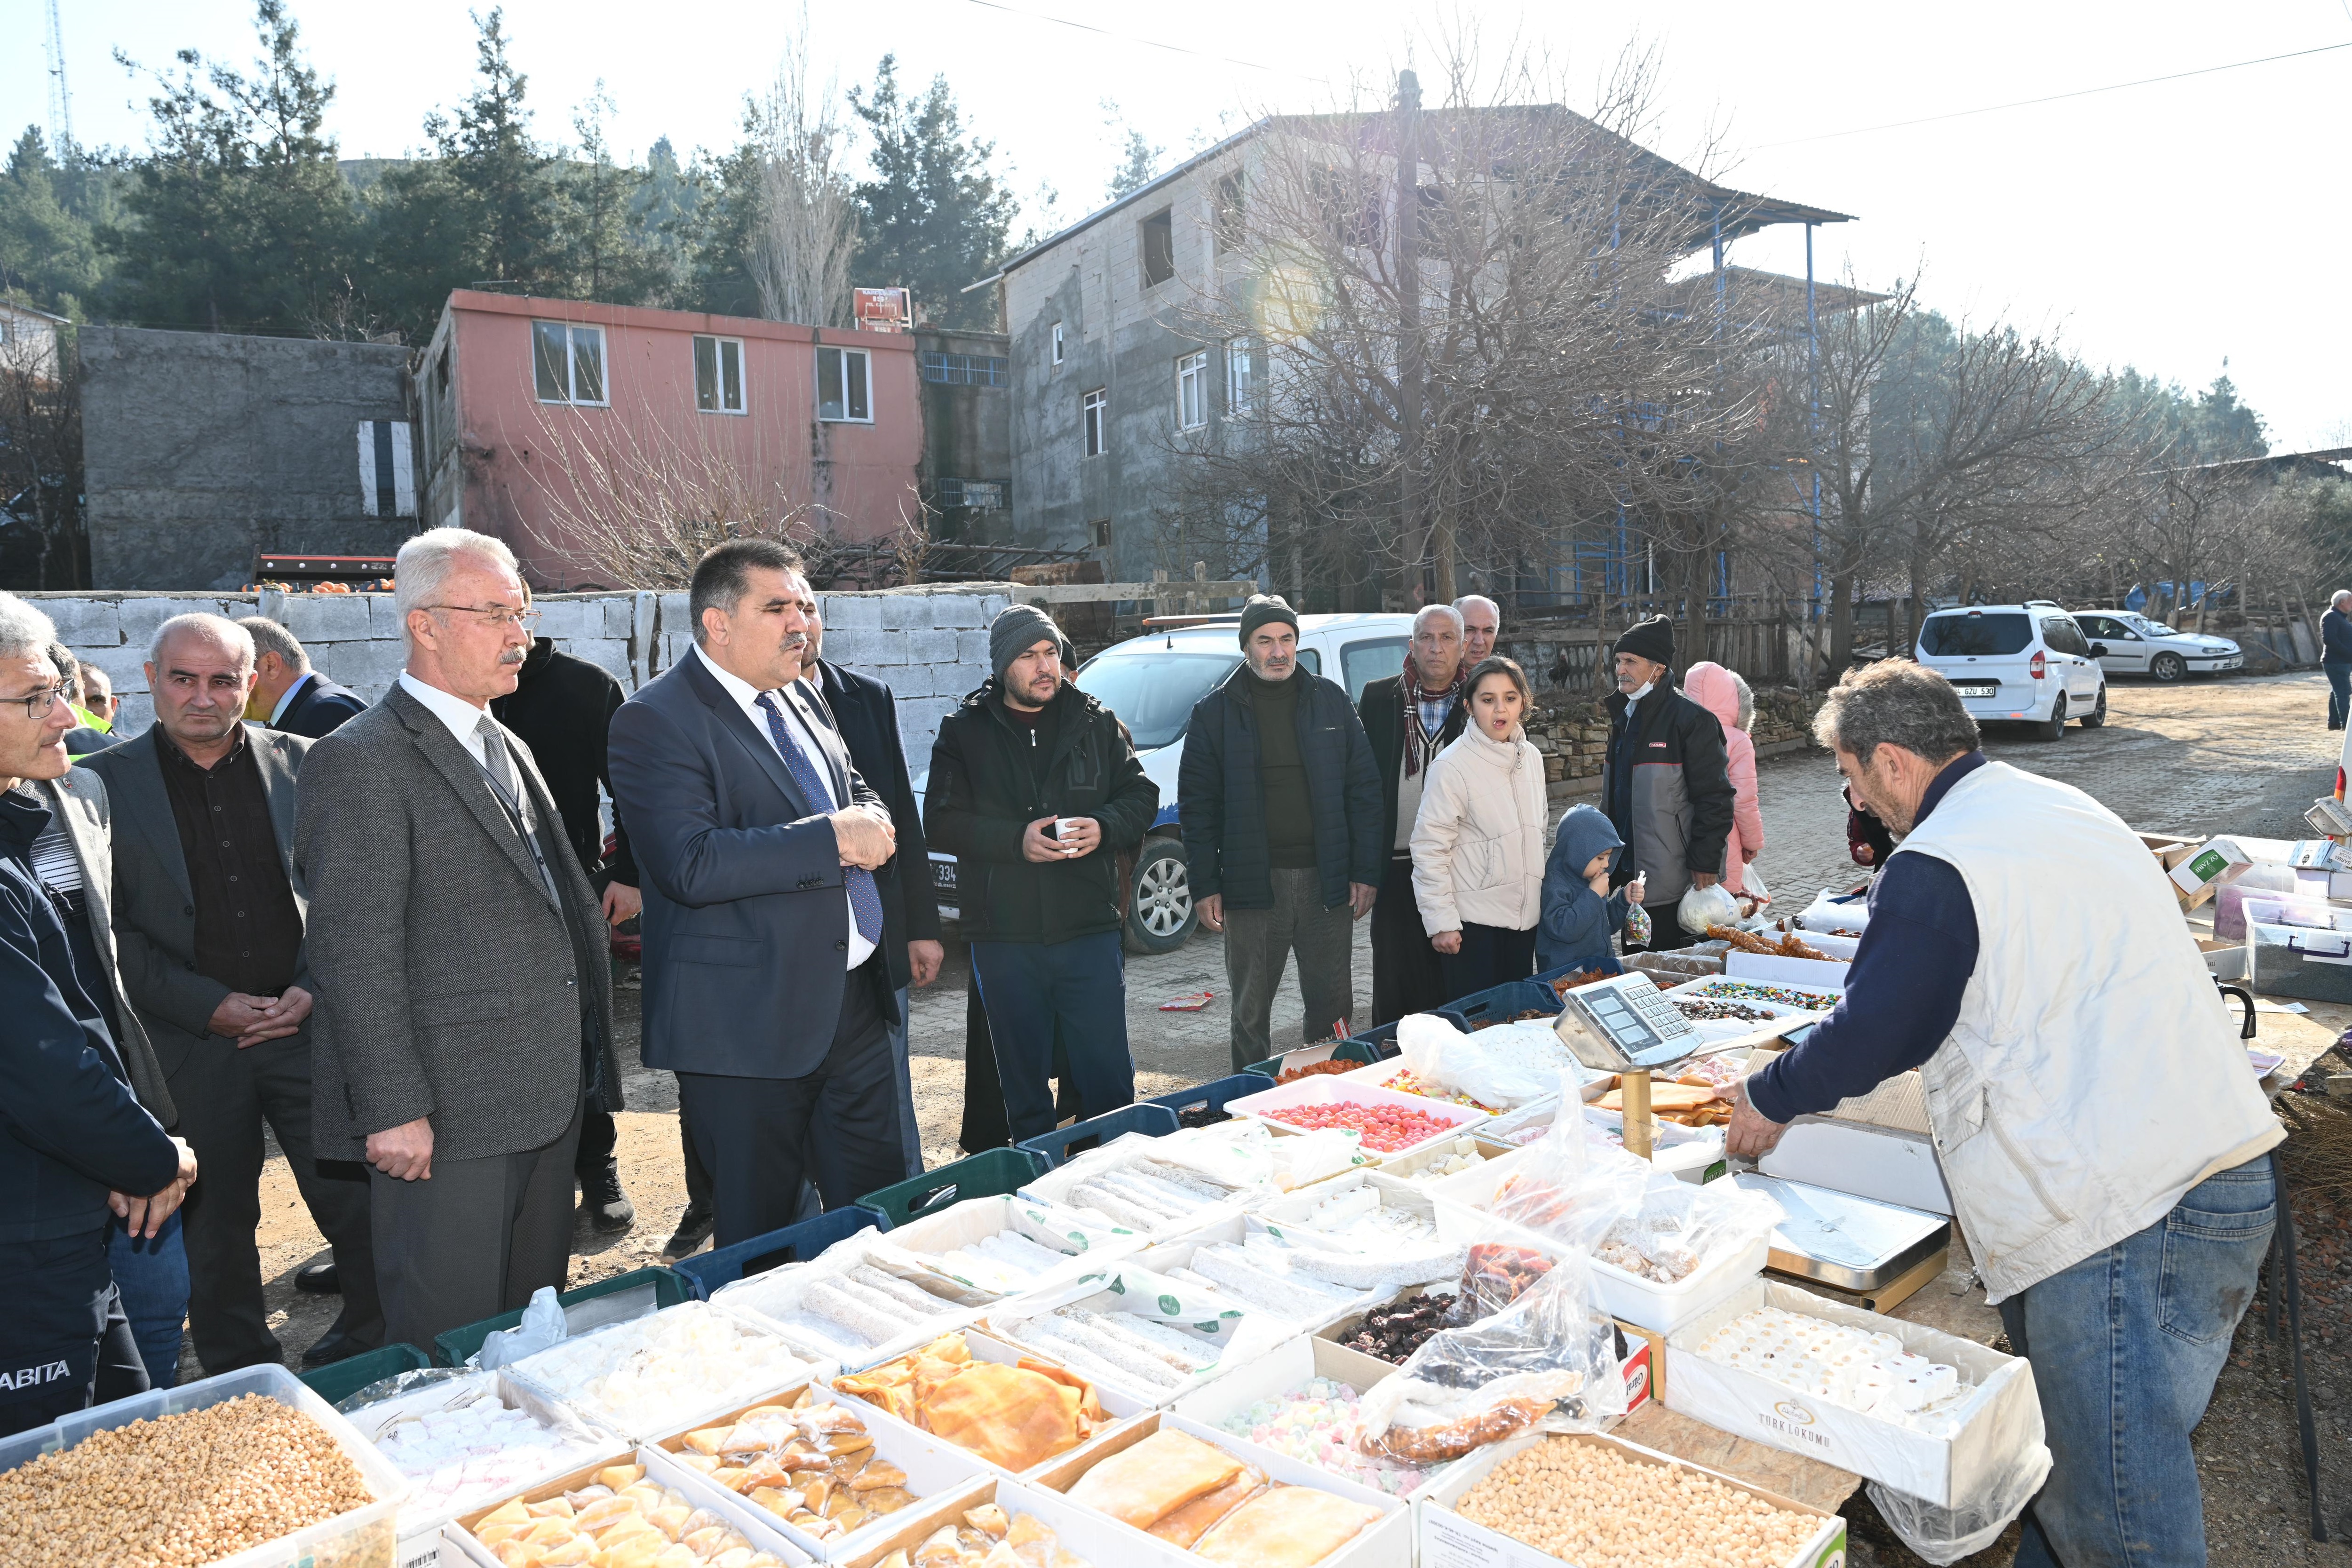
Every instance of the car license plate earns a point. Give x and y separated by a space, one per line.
943 874
1976 689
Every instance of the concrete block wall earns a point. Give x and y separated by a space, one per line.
929 644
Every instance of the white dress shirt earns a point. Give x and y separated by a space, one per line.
287 695
462 717
788 701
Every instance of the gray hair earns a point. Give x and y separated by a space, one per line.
1462 606
219 628
1747 718
2335 600
1448 611
69 670
24 630
1895 702
425 562
268 636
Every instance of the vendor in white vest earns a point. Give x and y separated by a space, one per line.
2106 1146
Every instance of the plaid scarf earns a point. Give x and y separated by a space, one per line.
1420 745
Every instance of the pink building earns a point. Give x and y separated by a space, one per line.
568 428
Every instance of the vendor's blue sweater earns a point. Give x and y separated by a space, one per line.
1576 922
1903 992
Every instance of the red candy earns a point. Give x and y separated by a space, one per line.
1383 1128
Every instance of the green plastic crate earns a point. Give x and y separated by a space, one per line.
458 1346
989 1173
339 1379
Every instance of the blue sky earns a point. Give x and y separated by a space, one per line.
2170 227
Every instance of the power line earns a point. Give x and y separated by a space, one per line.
2053 98
1148 43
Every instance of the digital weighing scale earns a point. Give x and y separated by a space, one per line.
1626 1022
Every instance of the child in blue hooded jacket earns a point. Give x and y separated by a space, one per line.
1580 913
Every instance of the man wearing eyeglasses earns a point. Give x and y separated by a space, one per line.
465 1001
208 921
74 1141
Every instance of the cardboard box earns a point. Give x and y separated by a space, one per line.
1055 1185
537 1374
925 1241
1233 1332
755 1524
1781 971
1177 1254
1385 1543
2196 878
1446 1539
1638 1366
1291 1366
771 1302
944 1478
1118 1406
1993 1425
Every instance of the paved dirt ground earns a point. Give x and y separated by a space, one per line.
2243 755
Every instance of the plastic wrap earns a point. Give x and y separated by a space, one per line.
1675 1229
542 1328
1945 1535
1494 1275
399 1385
1504 1066
1571 1183
1545 1362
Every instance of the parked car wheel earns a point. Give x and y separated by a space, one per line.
2167 666
2098 716
2055 727
1160 914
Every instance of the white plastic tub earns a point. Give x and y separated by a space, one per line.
364 1536
1325 1090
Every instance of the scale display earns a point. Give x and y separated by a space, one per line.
1625 1021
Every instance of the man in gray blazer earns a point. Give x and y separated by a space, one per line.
464 1001
766 990
207 916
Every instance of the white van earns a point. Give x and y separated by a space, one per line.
1151 682
2025 663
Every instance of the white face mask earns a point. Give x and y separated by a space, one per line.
1638 693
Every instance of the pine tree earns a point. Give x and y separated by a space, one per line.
932 219
48 254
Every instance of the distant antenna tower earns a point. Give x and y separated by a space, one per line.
60 100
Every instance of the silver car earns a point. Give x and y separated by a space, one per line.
2136 645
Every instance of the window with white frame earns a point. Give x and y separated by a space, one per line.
719 374
1241 378
1058 343
842 386
1094 406
1193 391
568 362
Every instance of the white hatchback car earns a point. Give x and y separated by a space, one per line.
2024 663
1151 682
2137 644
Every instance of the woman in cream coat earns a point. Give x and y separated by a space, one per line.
1479 843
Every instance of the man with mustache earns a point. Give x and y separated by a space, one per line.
465 1002
759 846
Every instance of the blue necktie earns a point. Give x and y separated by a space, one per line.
865 899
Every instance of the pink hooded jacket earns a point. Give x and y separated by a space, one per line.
1709 685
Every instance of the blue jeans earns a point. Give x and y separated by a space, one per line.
2339 692
1029 986
2126 1346
152 1276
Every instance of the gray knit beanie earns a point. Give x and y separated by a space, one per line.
1017 629
1263 609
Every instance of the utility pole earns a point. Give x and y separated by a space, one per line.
1429 544
60 100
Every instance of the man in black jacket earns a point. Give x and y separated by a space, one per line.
288 694
1035 792
1282 811
867 713
74 1141
562 708
1408 719
1667 785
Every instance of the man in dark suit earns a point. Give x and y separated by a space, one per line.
867 713
765 987
208 916
1408 719
465 1001
562 708
288 694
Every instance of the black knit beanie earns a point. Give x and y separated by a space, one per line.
1651 640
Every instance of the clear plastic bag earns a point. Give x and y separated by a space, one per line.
543 1326
1571 1184
397 1385
1504 1066
1675 1229
1494 1275
1704 907
1545 1362
1945 1535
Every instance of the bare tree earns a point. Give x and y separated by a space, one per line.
807 230
1454 335
41 456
